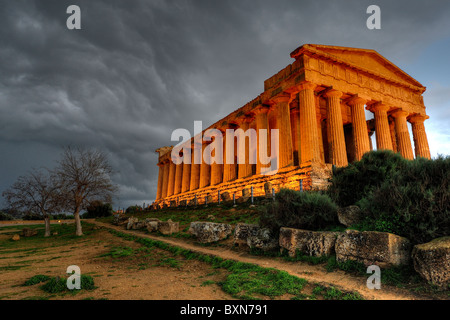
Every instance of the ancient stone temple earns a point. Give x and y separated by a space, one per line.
318 104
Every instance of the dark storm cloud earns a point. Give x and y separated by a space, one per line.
139 69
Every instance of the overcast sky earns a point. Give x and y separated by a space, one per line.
137 70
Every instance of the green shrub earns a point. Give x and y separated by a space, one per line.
5 216
354 182
133 210
98 209
302 210
414 202
32 216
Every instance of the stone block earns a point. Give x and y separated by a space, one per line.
372 247
120 219
225 196
152 226
432 261
268 189
168 227
207 232
139 225
313 243
246 192
263 240
243 231
131 222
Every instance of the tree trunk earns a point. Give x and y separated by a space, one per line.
47 226
79 231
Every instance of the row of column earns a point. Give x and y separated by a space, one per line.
402 139
300 135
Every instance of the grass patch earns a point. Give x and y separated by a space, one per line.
336 294
399 276
245 281
300 256
207 283
333 293
36 279
59 285
256 282
349 266
119 252
13 268
170 262
33 245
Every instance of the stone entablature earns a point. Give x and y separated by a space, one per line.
317 103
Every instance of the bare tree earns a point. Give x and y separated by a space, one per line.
37 192
85 176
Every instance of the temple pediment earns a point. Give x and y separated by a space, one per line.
362 59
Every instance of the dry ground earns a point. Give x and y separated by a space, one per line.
124 269
146 274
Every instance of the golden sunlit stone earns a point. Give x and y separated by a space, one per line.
317 104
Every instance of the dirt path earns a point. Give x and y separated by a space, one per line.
339 279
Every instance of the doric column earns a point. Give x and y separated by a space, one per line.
242 168
295 127
382 133
309 135
420 136
336 142
186 180
403 139
171 182
205 170
284 126
360 135
216 170
262 122
178 178
229 169
393 135
320 136
195 172
160 181
245 169
165 184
